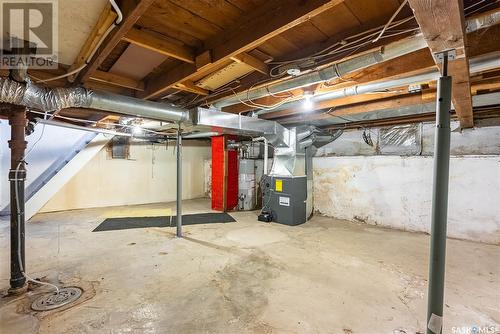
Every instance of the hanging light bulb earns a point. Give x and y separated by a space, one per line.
307 104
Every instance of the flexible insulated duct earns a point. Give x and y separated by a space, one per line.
53 99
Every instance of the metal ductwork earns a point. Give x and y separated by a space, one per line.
53 99
338 70
476 65
335 71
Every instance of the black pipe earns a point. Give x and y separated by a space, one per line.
17 176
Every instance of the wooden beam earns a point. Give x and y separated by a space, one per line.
107 17
426 96
333 104
155 43
387 103
267 21
251 61
117 80
442 23
132 11
189 86
485 41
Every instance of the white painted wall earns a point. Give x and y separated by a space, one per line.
54 144
147 177
395 191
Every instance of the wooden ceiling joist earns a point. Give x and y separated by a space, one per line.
251 61
189 86
372 104
153 42
267 21
442 23
117 80
132 11
486 41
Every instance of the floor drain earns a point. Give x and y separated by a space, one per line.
55 300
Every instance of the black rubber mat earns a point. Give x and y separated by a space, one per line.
112 224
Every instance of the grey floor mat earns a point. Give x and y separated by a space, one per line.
112 224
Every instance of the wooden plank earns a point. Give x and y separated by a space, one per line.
442 23
107 17
117 80
251 61
189 86
152 42
219 13
485 41
203 60
426 96
334 103
387 103
265 22
132 10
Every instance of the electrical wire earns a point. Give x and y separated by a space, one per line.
390 21
94 50
128 126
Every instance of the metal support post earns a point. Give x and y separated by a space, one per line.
179 183
439 203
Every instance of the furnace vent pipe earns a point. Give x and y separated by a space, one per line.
340 69
53 99
476 65
266 151
201 135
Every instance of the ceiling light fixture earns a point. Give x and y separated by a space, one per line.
308 103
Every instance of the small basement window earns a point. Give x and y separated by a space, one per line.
120 147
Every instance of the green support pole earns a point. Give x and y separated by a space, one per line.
439 205
179 183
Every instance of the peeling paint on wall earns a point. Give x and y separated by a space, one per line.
395 192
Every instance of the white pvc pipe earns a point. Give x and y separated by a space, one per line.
266 152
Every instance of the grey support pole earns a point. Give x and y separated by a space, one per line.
439 203
179 183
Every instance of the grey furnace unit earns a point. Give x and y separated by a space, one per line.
287 189
284 198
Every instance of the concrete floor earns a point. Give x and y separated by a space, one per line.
326 276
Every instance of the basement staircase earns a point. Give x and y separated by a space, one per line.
48 183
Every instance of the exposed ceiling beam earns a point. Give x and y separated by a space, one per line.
369 106
481 42
189 86
164 46
117 80
255 63
426 96
267 21
442 23
132 11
